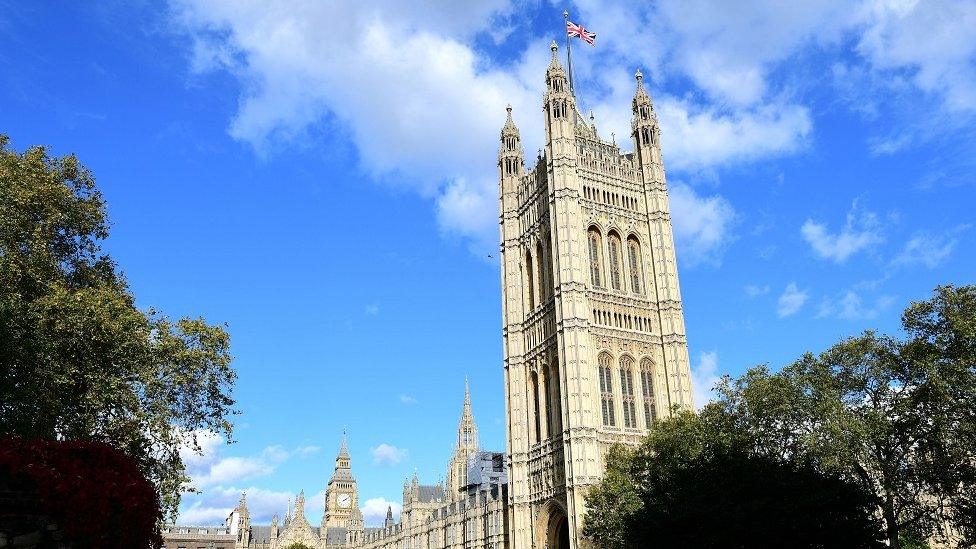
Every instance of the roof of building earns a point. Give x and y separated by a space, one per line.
335 536
261 534
431 493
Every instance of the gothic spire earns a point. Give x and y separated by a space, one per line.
640 96
467 429
555 67
300 505
466 411
242 503
509 129
343 446
389 517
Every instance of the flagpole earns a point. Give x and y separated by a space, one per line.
569 53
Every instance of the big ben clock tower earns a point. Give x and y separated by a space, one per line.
341 495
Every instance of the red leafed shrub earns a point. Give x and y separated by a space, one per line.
95 493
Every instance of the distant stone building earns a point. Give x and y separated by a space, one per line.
594 347
467 511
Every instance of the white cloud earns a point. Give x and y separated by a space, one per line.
371 310
753 290
696 137
861 230
931 250
850 306
407 399
374 78
374 510
930 42
702 225
387 454
213 468
305 451
704 376
791 300
213 505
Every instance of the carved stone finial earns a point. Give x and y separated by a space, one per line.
554 47
638 75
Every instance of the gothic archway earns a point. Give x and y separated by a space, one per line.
558 533
553 526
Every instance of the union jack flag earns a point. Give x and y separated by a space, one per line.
577 31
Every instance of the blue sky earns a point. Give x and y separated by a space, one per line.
320 177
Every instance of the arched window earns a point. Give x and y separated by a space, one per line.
536 420
547 382
530 286
606 389
614 260
557 402
627 391
647 387
543 265
551 283
633 247
596 245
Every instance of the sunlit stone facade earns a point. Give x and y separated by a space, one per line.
594 337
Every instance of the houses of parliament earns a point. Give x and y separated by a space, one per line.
594 351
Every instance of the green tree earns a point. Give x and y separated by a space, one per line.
693 482
298 545
78 359
895 416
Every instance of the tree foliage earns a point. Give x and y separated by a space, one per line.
894 417
692 483
79 360
95 494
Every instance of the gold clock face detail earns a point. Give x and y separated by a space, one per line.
344 500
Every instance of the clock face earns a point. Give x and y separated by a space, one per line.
344 500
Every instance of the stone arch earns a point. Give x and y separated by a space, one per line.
552 526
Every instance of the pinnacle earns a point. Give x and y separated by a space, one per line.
343 447
466 411
641 96
509 128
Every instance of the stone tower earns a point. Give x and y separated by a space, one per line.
341 494
593 332
465 447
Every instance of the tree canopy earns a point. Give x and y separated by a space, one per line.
893 417
80 361
693 484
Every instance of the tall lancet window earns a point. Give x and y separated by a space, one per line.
547 387
536 420
627 391
595 245
647 388
606 389
530 283
543 265
614 260
557 408
550 271
633 247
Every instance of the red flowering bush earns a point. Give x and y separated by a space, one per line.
96 494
